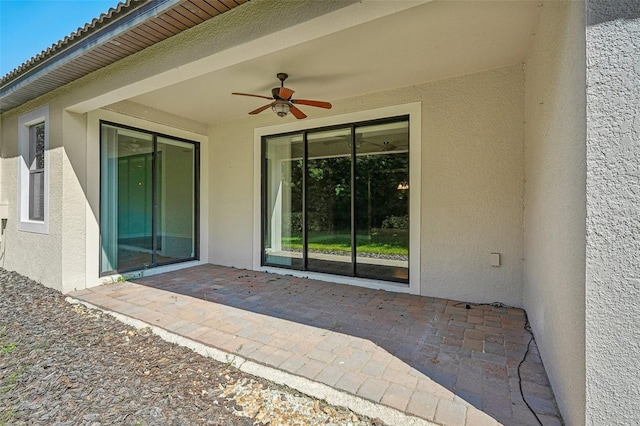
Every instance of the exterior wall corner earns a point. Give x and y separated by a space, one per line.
613 222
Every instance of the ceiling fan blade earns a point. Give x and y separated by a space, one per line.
249 94
259 110
319 104
297 113
285 93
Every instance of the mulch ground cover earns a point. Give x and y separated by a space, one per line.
63 364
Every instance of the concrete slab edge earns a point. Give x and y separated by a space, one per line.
333 396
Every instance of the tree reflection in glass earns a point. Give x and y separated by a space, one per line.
315 199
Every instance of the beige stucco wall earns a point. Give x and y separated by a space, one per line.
231 194
56 259
613 212
472 187
74 200
472 183
555 200
38 256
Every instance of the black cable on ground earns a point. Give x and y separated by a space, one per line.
527 327
520 379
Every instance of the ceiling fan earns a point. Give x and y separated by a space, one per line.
132 145
282 102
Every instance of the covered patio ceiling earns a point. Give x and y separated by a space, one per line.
425 42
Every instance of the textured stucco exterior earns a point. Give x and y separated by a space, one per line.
74 200
231 194
472 188
613 218
555 173
57 259
36 255
472 183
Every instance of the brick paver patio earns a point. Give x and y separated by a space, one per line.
431 358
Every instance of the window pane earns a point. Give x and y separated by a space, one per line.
126 199
36 195
175 197
382 201
36 172
36 147
283 201
329 202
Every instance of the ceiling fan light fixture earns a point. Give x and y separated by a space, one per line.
283 103
281 108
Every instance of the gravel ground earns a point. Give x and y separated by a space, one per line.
63 364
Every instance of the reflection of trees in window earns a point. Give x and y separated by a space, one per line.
329 182
359 231
295 189
379 202
39 146
36 172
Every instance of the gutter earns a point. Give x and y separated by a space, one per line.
96 38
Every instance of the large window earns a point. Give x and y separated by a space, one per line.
148 199
33 171
336 200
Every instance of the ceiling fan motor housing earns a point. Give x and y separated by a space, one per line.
282 100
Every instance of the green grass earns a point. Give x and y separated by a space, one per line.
6 416
12 379
373 244
8 348
9 383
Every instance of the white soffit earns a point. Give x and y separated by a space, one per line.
432 41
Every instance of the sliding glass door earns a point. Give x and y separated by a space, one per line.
382 201
176 200
282 201
328 201
336 200
148 199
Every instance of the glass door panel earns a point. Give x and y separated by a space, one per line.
126 199
282 239
148 199
328 202
175 200
382 201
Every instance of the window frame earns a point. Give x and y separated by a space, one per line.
25 123
352 127
197 159
414 110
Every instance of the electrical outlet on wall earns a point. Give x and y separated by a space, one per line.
495 259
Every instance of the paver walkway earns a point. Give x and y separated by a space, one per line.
431 358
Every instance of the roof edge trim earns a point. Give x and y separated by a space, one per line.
93 39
